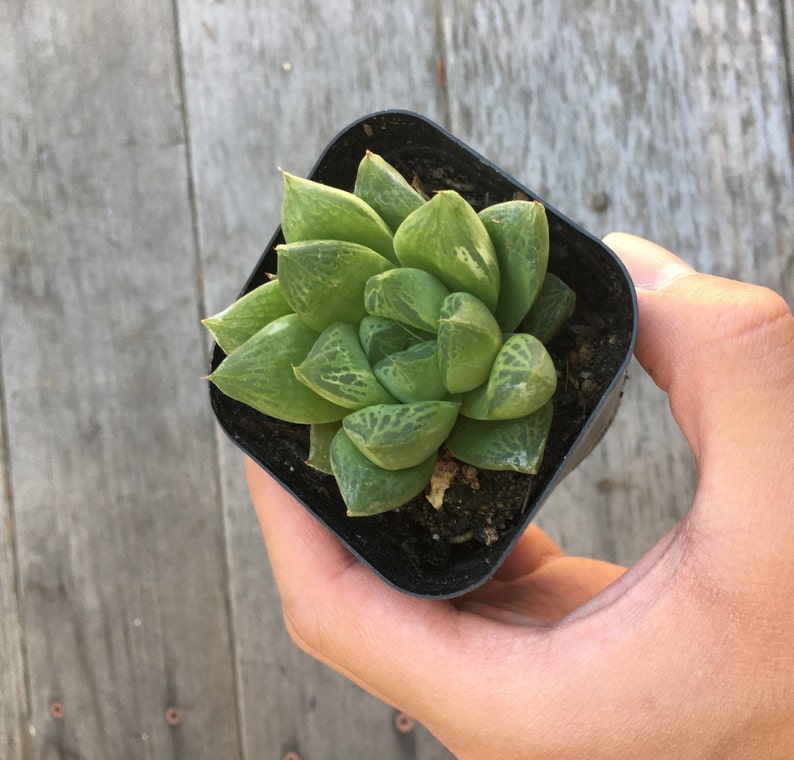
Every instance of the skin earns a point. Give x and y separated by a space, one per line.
687 654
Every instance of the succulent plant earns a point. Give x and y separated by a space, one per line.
398 326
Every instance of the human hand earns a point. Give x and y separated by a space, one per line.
689 653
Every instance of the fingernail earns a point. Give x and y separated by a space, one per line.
651 267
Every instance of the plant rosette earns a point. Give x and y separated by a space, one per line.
435 349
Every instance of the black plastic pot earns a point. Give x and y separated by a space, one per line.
606 306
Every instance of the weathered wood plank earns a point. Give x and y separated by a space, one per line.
269 86
15 739
679 115
121 559
787 32
676 114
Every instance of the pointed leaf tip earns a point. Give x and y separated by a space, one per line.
368 489
446 238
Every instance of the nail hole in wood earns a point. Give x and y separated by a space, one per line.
404 723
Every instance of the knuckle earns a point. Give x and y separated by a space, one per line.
748 318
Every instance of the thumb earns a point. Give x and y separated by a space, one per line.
724 352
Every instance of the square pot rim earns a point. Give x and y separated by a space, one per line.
603 410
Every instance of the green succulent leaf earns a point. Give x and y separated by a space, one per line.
553 307
446 238
522 379
383 188
247 315
337 369
368 489
259 373
412 374
407 295
396 436
323 280
320 437
516 444
519 231
381 337
469 338
313 211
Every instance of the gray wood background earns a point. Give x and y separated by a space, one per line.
138 150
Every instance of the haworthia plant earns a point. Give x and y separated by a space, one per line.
461 254
337 369
381 186
260 373
324 280
520 234
407 295
469 339
368 489
247 315
522 379
552 308
380 337
516 444
413 374
396 436
320 438
313 211
399 327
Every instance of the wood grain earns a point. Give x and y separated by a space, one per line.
787 34
267 86
15 738
138 186
121 556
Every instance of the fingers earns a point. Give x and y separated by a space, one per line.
538 583
720 348
724 352
651 267
712 344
